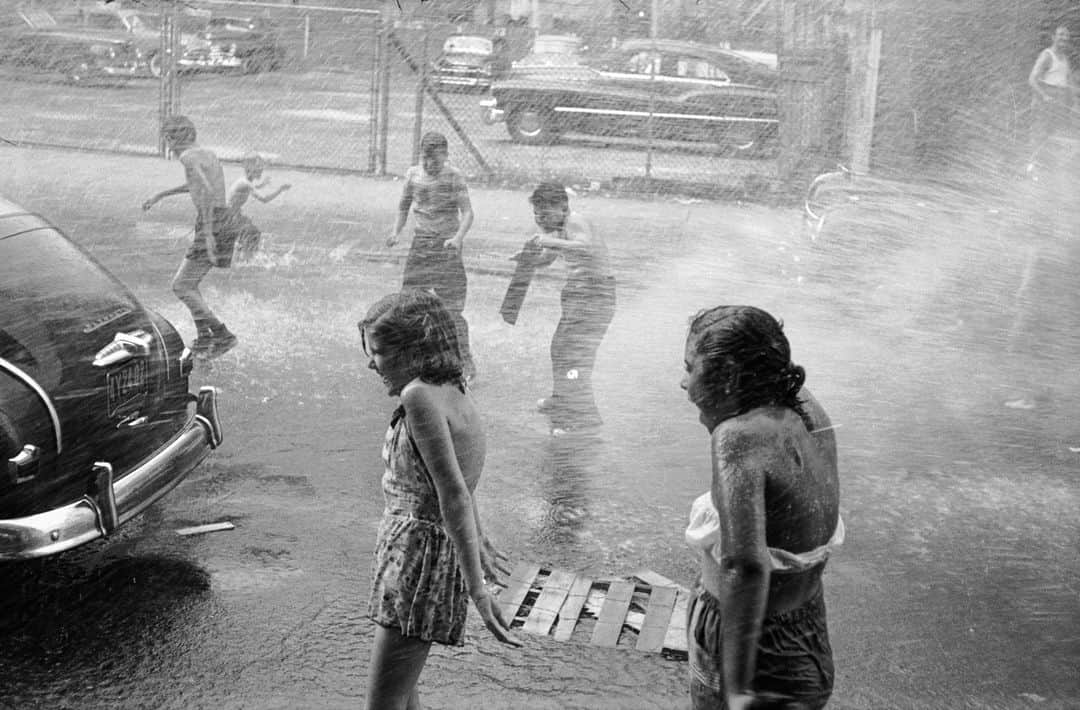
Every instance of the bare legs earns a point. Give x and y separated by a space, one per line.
396 662
186 287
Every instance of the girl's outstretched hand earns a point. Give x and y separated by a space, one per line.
493 619
492 562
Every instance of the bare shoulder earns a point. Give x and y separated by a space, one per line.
422 399
814 411
751 435
580 227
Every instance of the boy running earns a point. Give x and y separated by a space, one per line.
248 235
205 182
439 199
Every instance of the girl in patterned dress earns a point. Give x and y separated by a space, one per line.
431 556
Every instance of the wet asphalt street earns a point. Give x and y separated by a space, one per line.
957 586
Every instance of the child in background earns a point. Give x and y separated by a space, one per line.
431 556
439 199
248 235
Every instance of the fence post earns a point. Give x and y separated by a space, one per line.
384 93
307 34
169 90
373 94
418 127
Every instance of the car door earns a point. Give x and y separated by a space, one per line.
618 102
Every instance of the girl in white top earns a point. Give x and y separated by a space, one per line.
1052 89
757 632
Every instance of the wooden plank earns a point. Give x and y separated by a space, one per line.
657 619
517 589
675 638
207 528
547 605
654 579
610 621
568 615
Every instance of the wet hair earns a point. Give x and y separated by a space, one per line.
432 141
747 358
179 129
549 194
253 159
416 324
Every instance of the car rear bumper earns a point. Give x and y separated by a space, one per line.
490 114
115 502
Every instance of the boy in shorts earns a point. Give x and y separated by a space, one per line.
439 199
248 235
211 245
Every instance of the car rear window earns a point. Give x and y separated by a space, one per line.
52 296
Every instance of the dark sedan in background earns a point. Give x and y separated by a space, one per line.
244 43
96 418
673 90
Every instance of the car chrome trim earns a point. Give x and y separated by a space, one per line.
164 349
694 116
91 516
42 395
105 498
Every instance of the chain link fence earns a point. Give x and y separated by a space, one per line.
349 89
694 116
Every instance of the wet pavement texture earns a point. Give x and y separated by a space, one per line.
952 388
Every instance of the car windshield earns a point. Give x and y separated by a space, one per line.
467 45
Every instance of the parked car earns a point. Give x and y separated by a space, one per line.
551 51
464 63
144 31
96 420
692 92
244 43
74 55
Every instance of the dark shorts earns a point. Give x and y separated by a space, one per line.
430 265
794 669
224 237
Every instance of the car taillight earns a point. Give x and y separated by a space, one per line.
186 361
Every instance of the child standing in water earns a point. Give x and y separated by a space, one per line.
439 199
431 556
248 235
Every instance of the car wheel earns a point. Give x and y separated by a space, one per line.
277 60
153 63
527 124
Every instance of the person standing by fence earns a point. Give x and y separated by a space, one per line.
438 197
1053 90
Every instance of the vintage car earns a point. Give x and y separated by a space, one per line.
464 64
673 90
243 43
143 29
73 55
96 420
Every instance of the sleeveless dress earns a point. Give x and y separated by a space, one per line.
417 586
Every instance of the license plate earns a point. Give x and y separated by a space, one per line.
127 385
